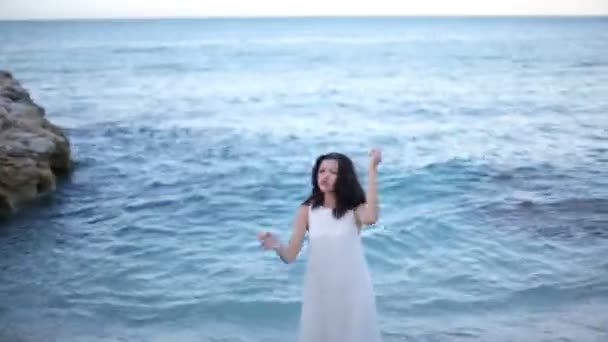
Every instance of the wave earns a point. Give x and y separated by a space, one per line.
590 64
141 49
537 297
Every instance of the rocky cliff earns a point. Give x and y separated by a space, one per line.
33 151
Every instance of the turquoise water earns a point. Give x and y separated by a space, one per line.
190 135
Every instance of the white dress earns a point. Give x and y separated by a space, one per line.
338 297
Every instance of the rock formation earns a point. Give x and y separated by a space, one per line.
33 151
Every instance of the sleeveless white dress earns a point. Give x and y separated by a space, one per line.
338 297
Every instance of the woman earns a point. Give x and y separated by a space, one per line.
338 298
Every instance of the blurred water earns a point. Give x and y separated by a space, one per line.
190 135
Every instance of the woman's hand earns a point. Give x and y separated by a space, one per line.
375 157
268 240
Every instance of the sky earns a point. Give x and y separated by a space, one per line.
65 9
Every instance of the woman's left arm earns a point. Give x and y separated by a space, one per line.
367 213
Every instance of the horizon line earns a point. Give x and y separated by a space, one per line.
309 16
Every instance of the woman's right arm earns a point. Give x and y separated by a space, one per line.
288 253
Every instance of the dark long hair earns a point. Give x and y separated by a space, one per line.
349 193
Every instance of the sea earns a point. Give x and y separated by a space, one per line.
190 135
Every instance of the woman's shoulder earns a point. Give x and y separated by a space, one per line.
303 209
356 213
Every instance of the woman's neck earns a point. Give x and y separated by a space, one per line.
329 200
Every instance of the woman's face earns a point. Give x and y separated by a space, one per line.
327 175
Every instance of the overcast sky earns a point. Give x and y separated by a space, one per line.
32 9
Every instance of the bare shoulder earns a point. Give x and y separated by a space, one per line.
359 209
365 215
358 213
300 220
303 210
302 214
